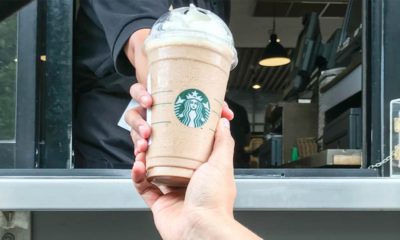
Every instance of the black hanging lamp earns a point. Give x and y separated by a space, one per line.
274 54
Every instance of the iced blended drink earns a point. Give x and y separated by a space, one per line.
190 53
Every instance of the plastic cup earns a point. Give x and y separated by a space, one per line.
190 53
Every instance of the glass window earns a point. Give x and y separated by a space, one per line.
8 62
267 139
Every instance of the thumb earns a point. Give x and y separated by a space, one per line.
222 153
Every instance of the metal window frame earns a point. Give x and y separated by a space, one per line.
377 88
55 80
25 153
7 146
20 153
381 77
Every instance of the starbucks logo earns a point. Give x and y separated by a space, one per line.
192 108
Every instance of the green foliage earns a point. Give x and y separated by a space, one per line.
8 52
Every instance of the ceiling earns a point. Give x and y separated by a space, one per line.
248 72
251 22
286 8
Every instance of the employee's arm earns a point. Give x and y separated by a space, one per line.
126 24
120 19
134 52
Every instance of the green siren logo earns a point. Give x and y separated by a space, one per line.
192 108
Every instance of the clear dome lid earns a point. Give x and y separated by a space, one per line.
193 23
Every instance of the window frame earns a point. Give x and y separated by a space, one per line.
36 140
55 20
380 73
20 153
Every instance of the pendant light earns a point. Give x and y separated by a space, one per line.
274 54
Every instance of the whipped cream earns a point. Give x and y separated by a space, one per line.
192 24
197 20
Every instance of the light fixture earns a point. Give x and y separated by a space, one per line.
274 54
256 86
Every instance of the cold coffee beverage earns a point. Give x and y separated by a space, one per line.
190 53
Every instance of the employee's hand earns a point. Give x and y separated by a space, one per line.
205 209
134 52
141 131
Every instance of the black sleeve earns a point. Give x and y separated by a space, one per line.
120 18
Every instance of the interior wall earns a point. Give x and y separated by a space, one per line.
255 103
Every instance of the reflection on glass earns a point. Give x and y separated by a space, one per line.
8 59
395 136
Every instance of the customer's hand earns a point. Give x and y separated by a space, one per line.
205 209
211 191
141 131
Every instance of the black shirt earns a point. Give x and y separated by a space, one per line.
103 74
240 130
104 26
